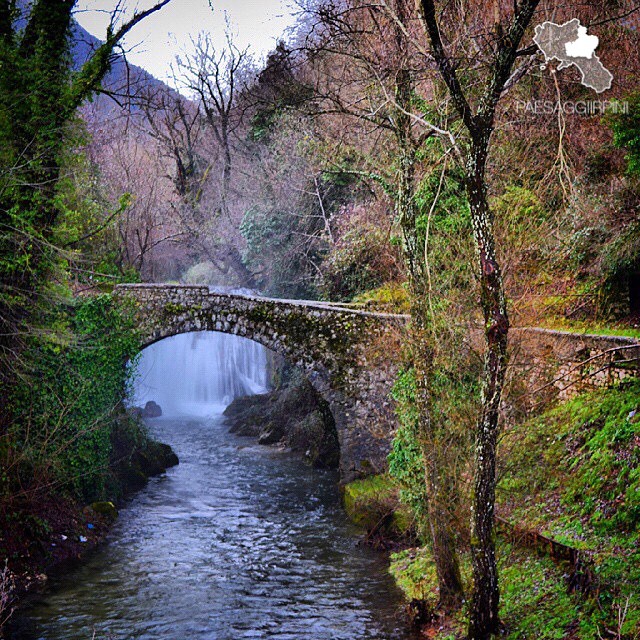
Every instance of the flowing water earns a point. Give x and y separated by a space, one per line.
238 541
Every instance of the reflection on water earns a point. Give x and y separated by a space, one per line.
238 541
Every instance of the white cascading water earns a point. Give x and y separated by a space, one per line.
199 373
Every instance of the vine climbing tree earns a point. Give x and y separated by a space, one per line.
39 95
478 121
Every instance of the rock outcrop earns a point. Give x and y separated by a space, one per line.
293 415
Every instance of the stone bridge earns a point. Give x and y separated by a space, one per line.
344 352
352 356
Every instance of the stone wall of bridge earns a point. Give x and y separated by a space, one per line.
548 364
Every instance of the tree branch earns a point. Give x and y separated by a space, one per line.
93 71
427 11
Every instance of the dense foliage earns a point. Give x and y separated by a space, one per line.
39 96
626 133
342 168
406 461
62 362
63 410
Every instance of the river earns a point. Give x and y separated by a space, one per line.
237 541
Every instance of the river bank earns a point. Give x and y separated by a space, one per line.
48 532
568 526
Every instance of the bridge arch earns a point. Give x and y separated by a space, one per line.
348 355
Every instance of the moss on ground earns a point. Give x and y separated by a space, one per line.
576 469
591 327
373 504
572 475
391 297
535 602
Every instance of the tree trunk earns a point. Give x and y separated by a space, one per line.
484 620
431 433
439 500
226 168
233 259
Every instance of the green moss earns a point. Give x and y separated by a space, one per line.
171 308
373 503
390 297
583 453
415 573
535 602
105 508
361 497
573 474
587 327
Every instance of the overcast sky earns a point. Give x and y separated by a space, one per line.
157 40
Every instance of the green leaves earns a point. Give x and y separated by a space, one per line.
64 408
626 134
406 462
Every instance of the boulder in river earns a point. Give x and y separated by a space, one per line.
293 415
151 410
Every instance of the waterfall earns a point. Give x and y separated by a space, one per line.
199 373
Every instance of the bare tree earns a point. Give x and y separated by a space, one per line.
214 76
499 56
177 125
182 133
370 69
132 192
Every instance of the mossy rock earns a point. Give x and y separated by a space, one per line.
315 436
272 433
105 508
293 415
135 457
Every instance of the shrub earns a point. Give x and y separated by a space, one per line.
626 134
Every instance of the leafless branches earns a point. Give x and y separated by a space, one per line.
215 77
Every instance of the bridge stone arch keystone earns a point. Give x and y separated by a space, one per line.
350 356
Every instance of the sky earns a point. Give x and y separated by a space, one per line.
156 41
